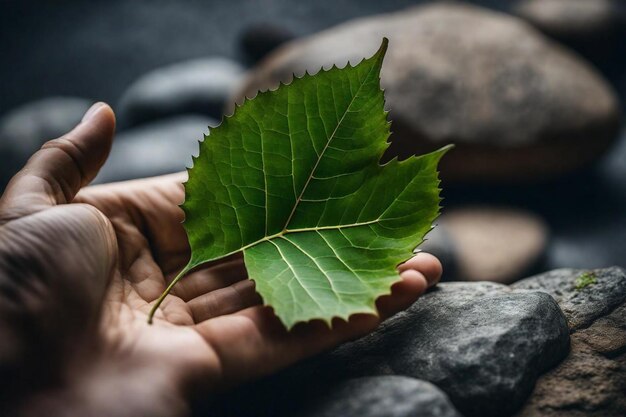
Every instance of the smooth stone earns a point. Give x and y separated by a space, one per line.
198 86
382 396
581 306
24 129
495 244
481 343
154 149
592 380
507 96
257 41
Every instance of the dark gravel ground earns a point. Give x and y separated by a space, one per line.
95 49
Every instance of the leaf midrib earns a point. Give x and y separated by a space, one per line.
291 231
321 155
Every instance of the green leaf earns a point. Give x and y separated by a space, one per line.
293 180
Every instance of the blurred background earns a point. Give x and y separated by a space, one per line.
531 92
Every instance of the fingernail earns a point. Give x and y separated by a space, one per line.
92 111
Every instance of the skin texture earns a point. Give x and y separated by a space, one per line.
80 269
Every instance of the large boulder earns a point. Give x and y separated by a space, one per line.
517 105
591 382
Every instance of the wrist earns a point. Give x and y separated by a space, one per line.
110 389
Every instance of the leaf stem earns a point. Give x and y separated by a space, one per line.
159 300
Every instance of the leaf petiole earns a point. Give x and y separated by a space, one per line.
165 293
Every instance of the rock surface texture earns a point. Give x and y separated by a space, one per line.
581 306
508 97
199 86
591 382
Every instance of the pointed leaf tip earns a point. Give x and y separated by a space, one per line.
379 56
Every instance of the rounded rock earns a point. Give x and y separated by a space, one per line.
199 86
157 148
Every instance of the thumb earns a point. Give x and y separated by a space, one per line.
55 173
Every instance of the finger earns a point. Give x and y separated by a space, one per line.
227 300
403 293
55 173
253 342
425 263
211 277
146 210
269 346
50 241
233 269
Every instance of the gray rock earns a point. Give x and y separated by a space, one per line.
481 343
199 86
581 306
384 396
24 129
507 96
158 148
591 382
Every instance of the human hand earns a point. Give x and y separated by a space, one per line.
80 269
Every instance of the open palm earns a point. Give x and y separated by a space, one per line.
102 257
